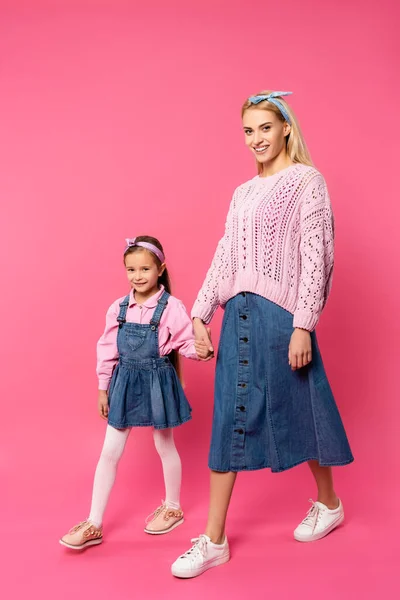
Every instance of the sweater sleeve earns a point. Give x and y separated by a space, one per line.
207 300
316 254
107 351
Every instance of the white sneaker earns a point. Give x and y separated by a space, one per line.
319 521
202 556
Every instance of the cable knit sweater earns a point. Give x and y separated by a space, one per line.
278 243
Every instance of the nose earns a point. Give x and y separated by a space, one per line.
257 137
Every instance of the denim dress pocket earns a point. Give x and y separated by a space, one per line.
135 338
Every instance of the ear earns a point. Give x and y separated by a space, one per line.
286 129
162 269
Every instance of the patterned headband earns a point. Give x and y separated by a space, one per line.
132 242
272 97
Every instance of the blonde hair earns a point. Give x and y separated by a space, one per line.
296 147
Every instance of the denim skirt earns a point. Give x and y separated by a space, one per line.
265 414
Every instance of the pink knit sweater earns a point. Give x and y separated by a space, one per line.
278 243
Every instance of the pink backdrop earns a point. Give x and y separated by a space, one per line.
123 118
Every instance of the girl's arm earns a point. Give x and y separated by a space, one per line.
107 351
317 254
207 300
181 331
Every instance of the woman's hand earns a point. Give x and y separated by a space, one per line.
203 344
102 404
202 350
300 349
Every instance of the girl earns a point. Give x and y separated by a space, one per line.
137 363
272 271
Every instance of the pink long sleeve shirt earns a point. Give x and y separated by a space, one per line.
175 332
278 243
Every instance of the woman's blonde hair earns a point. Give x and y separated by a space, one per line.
296 147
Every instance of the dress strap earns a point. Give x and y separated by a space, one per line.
161 304
123 307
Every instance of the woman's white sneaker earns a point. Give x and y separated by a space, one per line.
319 521
202 555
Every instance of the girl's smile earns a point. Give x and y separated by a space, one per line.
143 272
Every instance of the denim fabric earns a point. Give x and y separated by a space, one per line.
145 389
265 414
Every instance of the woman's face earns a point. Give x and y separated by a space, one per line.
265 134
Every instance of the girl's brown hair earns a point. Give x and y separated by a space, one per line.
164 280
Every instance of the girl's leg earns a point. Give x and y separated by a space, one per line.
172 466
221 486
324 480
106 471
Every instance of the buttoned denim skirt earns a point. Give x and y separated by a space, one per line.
265 414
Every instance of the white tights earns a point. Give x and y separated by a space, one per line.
106 470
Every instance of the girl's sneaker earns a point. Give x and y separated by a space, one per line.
82 535
319 521
202 555
163 520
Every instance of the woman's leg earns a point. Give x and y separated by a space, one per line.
324 480
221 486
172 466
106 471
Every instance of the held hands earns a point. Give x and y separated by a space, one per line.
102 404
203 344
300 349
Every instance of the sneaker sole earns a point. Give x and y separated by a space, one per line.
165 530
196 572
322 534
83 546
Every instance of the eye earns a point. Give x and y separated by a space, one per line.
266 128
247 131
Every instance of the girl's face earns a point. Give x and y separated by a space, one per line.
142 271
265 134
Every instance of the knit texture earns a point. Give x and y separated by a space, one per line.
278 243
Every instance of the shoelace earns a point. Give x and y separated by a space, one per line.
199 548
78 527
155 514
313 516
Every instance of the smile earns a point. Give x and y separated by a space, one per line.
261 149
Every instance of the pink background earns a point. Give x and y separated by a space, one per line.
123 118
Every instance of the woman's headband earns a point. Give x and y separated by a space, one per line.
272 97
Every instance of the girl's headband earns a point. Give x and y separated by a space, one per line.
272 97
132 242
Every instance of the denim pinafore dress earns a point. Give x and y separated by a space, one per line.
145 390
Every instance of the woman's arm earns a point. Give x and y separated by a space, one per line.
207 300
316 254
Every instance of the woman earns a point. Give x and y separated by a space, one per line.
272 272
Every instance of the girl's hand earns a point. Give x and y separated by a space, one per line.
202 350
300 349
202 335
102 404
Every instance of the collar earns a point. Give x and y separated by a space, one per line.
150 302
